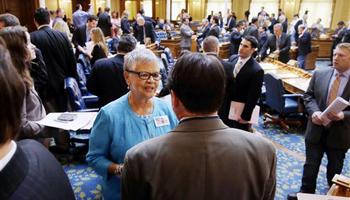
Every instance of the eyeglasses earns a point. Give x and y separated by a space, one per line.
146 75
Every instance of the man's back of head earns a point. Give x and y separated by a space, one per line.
211 45
8 19
42 16
126 44
198 81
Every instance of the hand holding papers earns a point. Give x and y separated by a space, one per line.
338 105
236 110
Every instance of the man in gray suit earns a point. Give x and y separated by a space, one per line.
333 139
186 34
201 158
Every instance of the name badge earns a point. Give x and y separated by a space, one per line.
161 121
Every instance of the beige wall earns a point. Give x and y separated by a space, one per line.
197 9
239 7
290 7
341 12
341 8
54 4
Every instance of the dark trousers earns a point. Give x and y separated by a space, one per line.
314 154
244 127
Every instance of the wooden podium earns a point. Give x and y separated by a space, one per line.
340 187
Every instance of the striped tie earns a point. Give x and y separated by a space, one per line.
333 92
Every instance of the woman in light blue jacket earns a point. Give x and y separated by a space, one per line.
129 120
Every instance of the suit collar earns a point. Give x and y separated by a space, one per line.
325 85
200 124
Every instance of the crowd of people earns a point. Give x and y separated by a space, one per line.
143 146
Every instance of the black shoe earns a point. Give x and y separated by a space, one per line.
292 196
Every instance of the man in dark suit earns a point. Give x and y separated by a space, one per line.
279 44
143 30
81 34
104 22
211 46
27 169
244 80
147 19
231 22
304 45
204 30
236 38
201 151
214 29
124 23
252 29
333 138
59 59
107 76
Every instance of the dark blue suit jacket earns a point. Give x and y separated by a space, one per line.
235 40
34 173
107 80
125 25
139 35
104 22
304 44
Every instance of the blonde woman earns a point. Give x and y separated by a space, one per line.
100 49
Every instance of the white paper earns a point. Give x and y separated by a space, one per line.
303 196
236 110
338 105
83 120
89 47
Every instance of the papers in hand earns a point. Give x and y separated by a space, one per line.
89 47
338 105
83 120
236 110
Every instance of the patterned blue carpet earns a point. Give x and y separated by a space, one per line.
290 154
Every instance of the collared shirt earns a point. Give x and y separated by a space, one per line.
80 18
44 25
8 156
343 81
242 62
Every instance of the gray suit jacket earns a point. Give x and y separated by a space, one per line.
315 99
201 159
186 34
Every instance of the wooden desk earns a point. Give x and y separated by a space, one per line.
325 47
173 45
295 80
224 51
310 59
